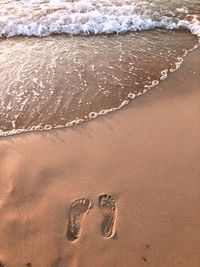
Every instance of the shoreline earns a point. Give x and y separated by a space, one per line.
145 155
71 112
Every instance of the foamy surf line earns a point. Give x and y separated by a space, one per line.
85 24
43 18
93 115
78 80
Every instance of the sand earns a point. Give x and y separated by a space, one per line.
143 159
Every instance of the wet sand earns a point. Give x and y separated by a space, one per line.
146 156
78 78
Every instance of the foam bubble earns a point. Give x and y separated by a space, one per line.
124 103
139 94
93 115
48 127
154 83
39 128
88 17
103 112
164 74
131 95
79 121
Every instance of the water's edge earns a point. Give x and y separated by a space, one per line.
94 115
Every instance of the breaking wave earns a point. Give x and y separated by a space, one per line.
60 81
43 18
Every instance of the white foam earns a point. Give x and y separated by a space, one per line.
131 95
93 115
164 74
38 18
47 127
103 112
85 18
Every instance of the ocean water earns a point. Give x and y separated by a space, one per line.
66 62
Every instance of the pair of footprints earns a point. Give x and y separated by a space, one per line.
80 207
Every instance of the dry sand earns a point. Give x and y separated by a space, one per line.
146 156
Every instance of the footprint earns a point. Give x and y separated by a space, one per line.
79 208
108 205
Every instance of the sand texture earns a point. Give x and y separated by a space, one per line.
120 191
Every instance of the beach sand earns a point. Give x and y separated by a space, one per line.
146 156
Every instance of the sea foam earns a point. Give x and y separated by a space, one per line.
42 18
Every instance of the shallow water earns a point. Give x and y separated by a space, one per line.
60 80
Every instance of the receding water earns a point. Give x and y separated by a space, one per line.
52 81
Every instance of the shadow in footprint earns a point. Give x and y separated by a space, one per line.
107 204
79 208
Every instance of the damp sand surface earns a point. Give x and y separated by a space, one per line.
134 173
57 81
